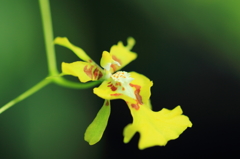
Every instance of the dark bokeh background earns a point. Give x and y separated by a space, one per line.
190 49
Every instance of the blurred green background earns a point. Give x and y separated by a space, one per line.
189 48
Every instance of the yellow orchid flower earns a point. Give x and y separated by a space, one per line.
155 128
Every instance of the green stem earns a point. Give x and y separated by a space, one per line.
48 36
26 94
75 85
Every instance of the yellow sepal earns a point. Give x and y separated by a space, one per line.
156 128
77 50
83 70
122 54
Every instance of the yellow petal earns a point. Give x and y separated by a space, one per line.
83 70
96 129
107 61
107 91
148 104
142 86
122 54
156 128
78 51
130 43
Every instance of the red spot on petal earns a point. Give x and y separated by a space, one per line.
135 106
137 92
90 60
116 94
116 59
114 66
107 103
113 88
118 84
88 71
93 73
97 73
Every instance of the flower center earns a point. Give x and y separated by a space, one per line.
120 82
122 77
